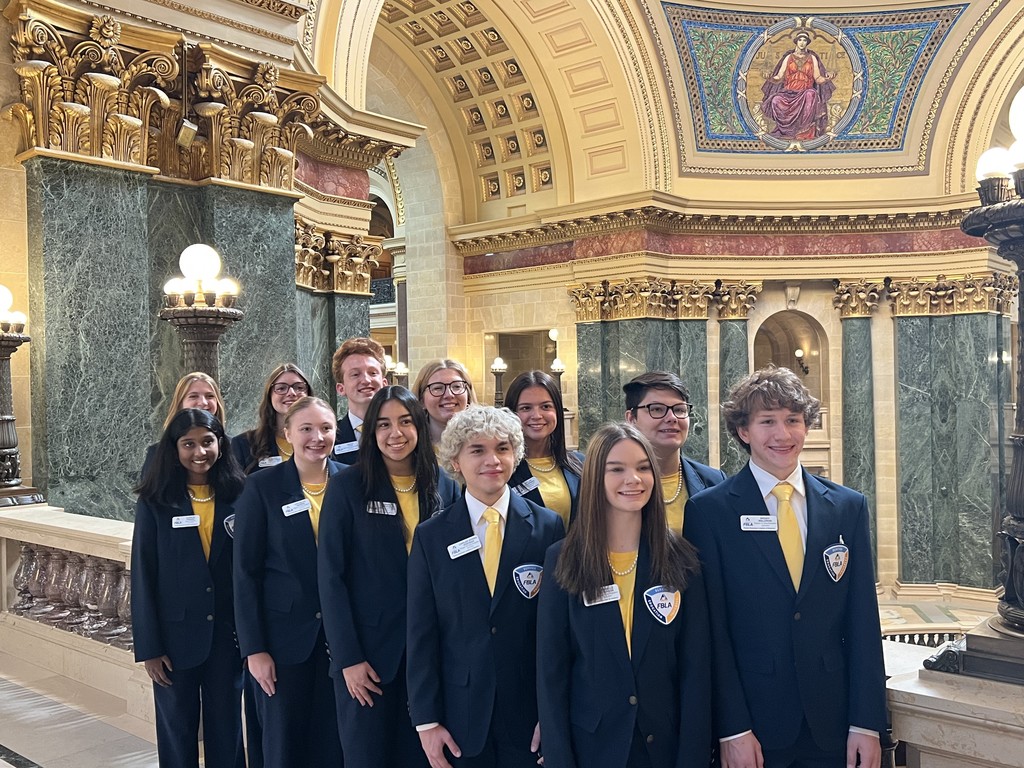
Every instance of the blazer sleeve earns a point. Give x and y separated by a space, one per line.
149 643
863 633
335 541
250 549
423 646
694 654
554 667
729 704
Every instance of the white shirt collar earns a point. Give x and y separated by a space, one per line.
354 420
476 507
766 481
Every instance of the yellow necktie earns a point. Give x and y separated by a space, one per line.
789 533
359 428
492 546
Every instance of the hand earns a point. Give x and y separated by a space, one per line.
360 679
434 741
535 745
155 670
744 752
263 671
868 747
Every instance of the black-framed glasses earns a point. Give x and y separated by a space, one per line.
299 388
660 410
457 387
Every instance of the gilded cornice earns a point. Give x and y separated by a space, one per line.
292 11
993 292
664 221
735 301
396 189
857 299
330 142
636 298
329 262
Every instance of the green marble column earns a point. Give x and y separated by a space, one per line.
693 370
733 365
858 416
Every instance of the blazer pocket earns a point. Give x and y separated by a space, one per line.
457 674
175 613
764 665
586 715
368 618
278 602
833 661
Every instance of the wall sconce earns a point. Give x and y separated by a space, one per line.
558 368
401 374
798 354
12 336
201 307
498 368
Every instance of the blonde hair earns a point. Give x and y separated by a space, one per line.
178 397
440 364
477 420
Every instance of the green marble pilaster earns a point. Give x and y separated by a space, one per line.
733 365
350 313
590 377
89 283
693 370
859 416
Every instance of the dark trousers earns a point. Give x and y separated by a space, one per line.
505 747
804 753
300 727
381 736
213 691
253 729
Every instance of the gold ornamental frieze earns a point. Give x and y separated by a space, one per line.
327 262
736 300
988 293
858 299
636 298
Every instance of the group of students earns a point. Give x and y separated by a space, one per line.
468 592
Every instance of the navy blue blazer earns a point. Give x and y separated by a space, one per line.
277 604
362 562
523 474
175 591
816 654
242 447
592 693
346 443
465 647
699 476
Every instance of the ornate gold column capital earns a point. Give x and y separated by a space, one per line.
327 262
635 298
858 299
968 294
736 300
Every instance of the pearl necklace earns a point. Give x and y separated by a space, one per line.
410 489
534 468
199 500
308 490
679 485
628 570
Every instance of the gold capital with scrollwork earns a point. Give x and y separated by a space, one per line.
635 298
327 262
857 299
735 300
968 294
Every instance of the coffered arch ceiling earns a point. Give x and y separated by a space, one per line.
553 104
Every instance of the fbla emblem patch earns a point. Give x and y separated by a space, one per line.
662 603
837 557
527 578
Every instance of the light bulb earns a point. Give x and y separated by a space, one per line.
993 163
6 298
1017 116
227 287
1016 154
174 287
199 262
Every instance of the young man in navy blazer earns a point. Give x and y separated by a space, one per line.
358 370
658 404
474 574
797 668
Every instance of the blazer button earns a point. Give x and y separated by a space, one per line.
209 589
318 614
632 700
209 617
494 630
650 739
796 616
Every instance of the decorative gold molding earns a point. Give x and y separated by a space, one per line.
736 300
857 299
327 262
635 298
663 221
993 292
283 8
329 142
396 189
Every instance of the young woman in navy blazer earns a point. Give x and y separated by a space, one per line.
370 513
264 445
277 602
182 611
623 643
536 399
193 390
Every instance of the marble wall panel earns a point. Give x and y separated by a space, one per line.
613 378
255 235
351 317
693 369
859 416
322 347
589 385
945 494
733 364
88 302
915 471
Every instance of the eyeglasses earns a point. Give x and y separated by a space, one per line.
457 387
299 388
660 410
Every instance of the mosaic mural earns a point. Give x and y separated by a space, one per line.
773 83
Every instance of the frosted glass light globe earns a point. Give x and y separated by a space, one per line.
6 299
993 163
1016 153
1017 116
199 262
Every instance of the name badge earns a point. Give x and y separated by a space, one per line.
837 557
185 521
382 508
759 523
229 525
302 505
527 579
340 448
663 603
270 461
609 594
464 547
526 486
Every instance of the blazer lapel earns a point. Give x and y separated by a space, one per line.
290 491
469 568
694 483
573 481
641 622
822 528
220 534
518 530
748 501
385 492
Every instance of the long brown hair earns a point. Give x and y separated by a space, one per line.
264 434
583 567
520 384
